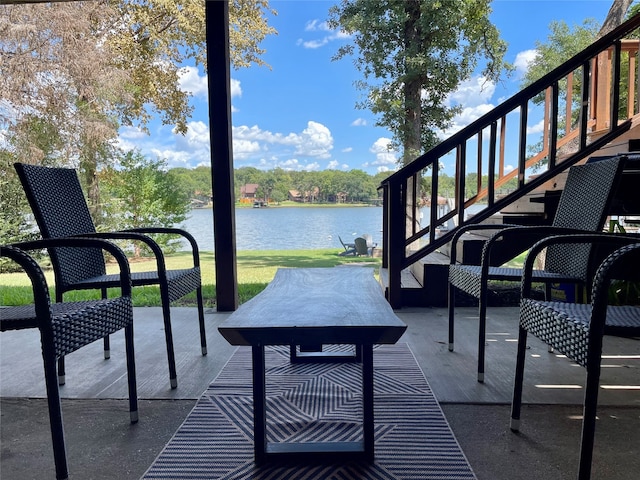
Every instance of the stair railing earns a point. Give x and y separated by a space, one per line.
588 102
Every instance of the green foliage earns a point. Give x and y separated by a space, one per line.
562 43
327 186
14 209
622 292
413 54
142 194
255 270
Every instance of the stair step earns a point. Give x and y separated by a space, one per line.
407 279
469 247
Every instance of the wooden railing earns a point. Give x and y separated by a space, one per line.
577 110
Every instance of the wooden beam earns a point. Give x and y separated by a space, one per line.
219 78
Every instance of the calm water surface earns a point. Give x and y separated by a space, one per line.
290 228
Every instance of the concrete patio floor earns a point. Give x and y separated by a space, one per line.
103 445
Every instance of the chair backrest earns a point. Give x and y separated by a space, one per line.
369 239
584 204
361 246
60 209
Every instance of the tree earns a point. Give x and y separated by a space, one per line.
142 193
616 16
413 54
563 42
85 69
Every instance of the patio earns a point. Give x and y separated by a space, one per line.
103 445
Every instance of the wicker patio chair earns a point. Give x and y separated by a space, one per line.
577 330
583 207
60 209
66 327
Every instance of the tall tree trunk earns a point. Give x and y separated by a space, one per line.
615 17
412 100
413 110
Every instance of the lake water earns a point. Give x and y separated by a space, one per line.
295 228
290 228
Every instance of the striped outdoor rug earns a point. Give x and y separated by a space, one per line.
320 402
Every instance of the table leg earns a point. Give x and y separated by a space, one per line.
259 404
367 401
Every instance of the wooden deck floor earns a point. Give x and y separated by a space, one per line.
549 378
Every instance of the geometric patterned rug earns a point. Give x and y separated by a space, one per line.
316 402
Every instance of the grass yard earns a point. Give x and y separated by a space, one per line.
255 270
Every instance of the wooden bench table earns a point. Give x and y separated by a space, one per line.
315 306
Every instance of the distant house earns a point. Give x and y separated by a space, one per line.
311 196
248 191
294 195
340 197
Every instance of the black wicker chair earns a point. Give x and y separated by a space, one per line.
60 209
576 330
66 327
583 207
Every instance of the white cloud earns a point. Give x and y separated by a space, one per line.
251 146
315 141
537 128
475 91
243 149
385 156
320 26
132 133
191 81
294 164
236 90
523 60
336 165
359 122
347 150
315 25
466 117
474 97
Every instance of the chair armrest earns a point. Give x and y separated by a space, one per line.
621 263
153 245
72 242
468 228
524 237
171 231
39 287
612 241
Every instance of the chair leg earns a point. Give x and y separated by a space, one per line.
131 374
55 411
516 402
107 343
482 331
168 334
203 333
589 413
452 306
61 374
107 348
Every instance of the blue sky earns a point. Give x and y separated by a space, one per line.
300 113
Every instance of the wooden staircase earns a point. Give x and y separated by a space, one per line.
424 283
591 108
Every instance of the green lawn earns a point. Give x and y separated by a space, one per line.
255 270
